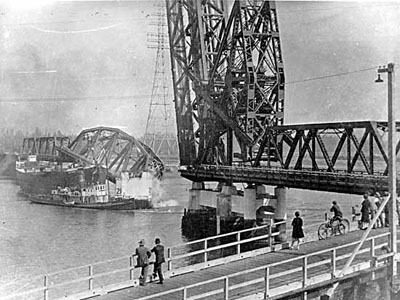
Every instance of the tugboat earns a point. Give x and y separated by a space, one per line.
93 197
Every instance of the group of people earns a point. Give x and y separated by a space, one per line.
369 208
143 254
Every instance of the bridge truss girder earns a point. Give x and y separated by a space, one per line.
228 77
45 148
115 150
349 157
353 147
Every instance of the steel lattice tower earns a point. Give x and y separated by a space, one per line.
160 132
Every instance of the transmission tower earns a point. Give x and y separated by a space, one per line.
160 132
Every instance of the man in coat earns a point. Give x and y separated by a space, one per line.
372 209
158 250
143 254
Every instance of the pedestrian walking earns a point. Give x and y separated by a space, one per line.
297 232
365 205
143 255
158 250
373 209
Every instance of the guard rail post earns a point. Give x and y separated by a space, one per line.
169 254
333 263
374 259
90 278
305 275
46 288
205 251
270 234
238 240
372 250
266 283
226 288
131 268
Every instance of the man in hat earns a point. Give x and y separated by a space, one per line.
143 254
158 250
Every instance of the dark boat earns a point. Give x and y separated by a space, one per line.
41 177
95 197
40 167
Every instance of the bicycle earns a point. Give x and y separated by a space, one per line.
333 227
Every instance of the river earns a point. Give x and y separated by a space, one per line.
38 239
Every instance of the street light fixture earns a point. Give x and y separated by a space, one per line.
392 168
379 79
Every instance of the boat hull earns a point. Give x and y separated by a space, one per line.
126 204
43 182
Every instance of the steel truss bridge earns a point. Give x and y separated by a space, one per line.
229 84
114 149
356 162
103 146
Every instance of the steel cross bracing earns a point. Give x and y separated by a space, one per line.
227 75
115 150
349 157
45 148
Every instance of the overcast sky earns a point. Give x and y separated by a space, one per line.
96 56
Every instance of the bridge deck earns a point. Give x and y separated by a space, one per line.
338 181
174 283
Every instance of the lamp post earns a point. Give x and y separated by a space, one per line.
392 167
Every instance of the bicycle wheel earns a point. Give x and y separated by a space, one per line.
346 224
341 229
323 232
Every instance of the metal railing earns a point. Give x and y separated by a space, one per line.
83 281
302 271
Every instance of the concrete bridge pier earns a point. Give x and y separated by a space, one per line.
224 206
249 204
280 212
216 211
209 211
194 196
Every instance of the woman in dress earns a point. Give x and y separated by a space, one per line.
297 232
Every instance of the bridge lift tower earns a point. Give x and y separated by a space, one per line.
229 83
228 78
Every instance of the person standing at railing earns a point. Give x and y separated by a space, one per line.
158 250
297 232
143 255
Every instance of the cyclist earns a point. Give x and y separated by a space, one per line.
337 212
